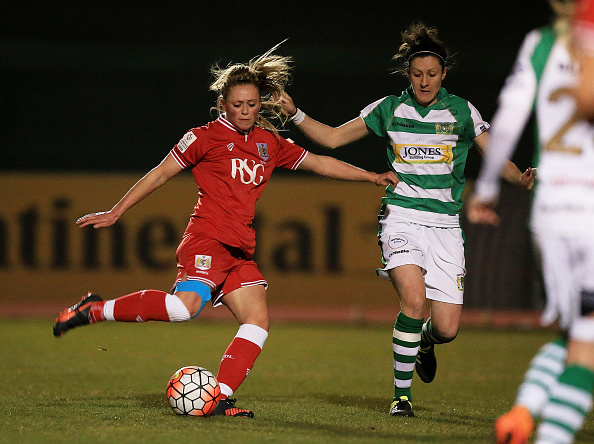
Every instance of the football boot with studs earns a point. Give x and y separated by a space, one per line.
75 316
227 407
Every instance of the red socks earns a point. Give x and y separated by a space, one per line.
141 306
239 357
237 363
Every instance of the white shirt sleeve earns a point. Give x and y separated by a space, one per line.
480 126
515 106
369 108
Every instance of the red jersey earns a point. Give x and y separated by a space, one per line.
231 169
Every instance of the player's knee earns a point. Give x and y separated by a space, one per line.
255 316
445 335
413 307
259 318
194 305
200 295
263 322
446 339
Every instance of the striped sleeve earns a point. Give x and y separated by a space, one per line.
375 117
178 158
187 151
290 155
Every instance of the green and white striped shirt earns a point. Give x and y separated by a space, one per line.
427 148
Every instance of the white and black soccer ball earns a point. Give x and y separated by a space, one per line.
193 391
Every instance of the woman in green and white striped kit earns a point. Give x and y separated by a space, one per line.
428 133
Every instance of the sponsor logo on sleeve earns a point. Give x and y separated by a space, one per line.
186 141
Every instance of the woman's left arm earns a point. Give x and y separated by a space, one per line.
327 166
511 173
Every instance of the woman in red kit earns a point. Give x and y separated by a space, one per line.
231 159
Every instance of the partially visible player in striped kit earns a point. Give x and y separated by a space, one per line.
557 388
428 133
232 160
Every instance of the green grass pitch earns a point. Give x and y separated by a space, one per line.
312 384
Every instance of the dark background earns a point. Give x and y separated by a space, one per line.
113 85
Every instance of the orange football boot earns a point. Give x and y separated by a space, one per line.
514 427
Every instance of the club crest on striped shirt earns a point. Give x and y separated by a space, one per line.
263 151
444 128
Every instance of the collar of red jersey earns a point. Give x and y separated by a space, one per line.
223 119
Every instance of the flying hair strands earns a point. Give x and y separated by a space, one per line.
270 73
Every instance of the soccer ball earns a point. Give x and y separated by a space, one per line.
193 391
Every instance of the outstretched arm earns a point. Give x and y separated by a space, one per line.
510 172
320 133
145 186
336 169
481 211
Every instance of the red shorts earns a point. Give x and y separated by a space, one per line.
221 267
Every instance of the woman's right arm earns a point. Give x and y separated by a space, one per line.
322 134
145 186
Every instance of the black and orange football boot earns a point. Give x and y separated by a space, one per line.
227 407
76 315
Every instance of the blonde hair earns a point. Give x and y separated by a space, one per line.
268 72
420 40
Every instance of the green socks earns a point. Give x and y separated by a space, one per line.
406 338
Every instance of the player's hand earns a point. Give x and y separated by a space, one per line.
386 179
288 108
528 178
97 220
481 212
